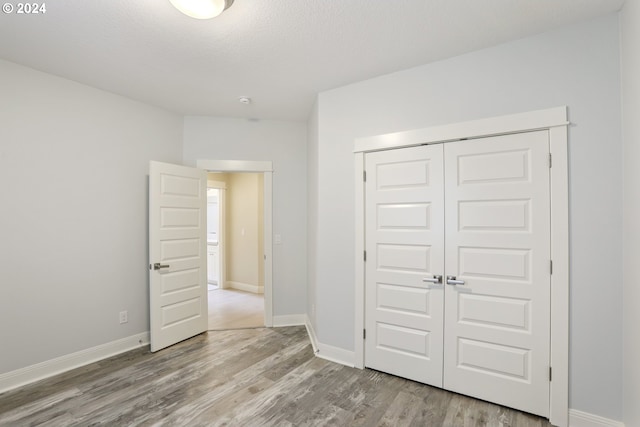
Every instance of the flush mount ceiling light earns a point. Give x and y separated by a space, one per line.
202 9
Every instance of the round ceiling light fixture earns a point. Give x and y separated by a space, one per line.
202 9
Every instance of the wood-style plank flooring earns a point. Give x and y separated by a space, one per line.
247 377
234 309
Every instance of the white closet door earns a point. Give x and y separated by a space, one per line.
498 243
405 246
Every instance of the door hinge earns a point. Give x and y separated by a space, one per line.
550 266
550 373
365 256
550 160
364 334
364 176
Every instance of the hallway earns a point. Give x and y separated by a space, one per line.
234 309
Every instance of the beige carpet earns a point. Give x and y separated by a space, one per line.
233 309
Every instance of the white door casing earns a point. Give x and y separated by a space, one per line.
496 344
405 250
177 243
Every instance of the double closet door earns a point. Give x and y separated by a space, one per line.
457 291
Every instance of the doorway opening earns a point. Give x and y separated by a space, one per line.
235 250
262 173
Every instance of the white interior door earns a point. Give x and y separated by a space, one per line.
177 253
498 243
405 250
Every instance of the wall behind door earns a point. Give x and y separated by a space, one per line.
74 162
578 66
630 33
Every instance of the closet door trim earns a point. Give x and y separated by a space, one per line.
556 121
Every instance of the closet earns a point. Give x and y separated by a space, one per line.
458 266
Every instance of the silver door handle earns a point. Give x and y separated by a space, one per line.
434 279
158 266
451 280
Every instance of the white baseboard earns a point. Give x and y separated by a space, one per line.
329 352
584 419
289 320
49 368
245 287
312 334
336 354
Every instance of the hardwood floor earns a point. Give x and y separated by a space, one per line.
248 377
234 309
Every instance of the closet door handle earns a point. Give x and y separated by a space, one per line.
434 279
451 280
158 266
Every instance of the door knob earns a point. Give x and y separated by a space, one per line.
451 280
435 279
158 266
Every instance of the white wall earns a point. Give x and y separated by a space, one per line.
576 66
73 222
312 211
283 143
630 32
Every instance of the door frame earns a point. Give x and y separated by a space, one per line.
222 194
555 120
266 168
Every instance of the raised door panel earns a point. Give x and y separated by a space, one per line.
404 229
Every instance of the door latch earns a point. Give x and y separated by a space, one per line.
451 280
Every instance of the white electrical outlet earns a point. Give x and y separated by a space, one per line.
124 317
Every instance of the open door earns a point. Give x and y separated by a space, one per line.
177 253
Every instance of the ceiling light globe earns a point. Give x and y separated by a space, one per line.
201 9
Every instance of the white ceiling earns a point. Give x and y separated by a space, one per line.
281 53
